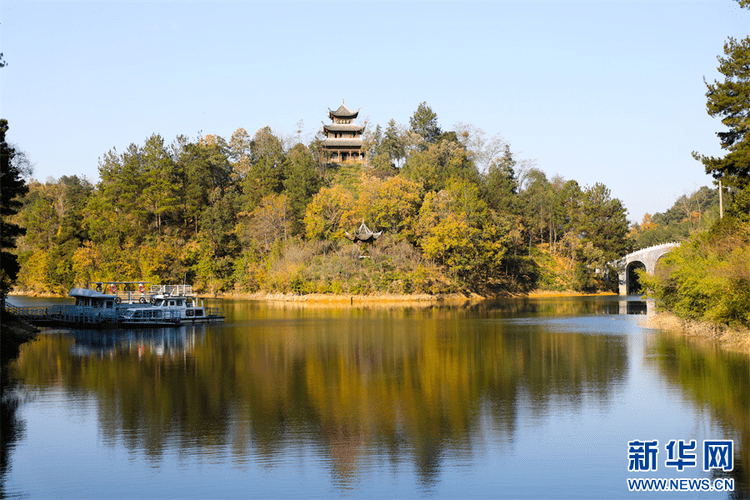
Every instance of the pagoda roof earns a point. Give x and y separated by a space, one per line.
343 142
343 127
363 234
342 112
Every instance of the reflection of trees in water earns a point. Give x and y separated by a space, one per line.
404 384
11 427
717 379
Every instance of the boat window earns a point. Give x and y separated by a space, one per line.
179 302
109 304
190 312
137 314
171 302
199 312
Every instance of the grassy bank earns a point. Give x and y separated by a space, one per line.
735 339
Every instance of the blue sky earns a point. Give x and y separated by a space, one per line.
594 91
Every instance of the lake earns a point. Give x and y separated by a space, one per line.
518 398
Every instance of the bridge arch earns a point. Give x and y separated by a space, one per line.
647 258
632 283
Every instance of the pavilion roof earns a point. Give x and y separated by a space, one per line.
342 112
343 127
355 143
363 234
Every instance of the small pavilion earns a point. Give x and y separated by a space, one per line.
343 140
361 236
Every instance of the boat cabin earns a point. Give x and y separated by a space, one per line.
92 298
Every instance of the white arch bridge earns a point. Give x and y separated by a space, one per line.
646 257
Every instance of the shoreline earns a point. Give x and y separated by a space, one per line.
446 298
452 298
13 334
733 339
729 338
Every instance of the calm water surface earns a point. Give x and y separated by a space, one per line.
516 399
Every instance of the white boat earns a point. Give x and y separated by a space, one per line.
170 309
111 304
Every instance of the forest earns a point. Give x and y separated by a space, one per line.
266 213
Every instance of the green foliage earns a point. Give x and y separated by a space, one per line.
458 230
601 221
229 217
708 277
690 213
265 175
424 123
301 183
500 183
434 165
13 164
330 214
730 100
392 205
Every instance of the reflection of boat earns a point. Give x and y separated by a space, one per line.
119 303
156 341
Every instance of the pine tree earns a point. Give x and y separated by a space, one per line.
13 164
730 100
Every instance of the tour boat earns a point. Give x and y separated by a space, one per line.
111 304
169 309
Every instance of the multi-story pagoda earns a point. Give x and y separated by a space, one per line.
343 140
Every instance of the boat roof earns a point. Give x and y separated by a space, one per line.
87 292
117 282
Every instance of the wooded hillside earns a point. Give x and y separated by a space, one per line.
458 210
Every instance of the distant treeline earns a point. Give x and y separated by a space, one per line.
458 210
690 213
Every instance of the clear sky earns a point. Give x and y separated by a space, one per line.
594 91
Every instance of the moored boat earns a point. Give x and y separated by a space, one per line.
170 309
112 304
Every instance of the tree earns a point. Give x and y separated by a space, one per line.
538 204
301 183
500 183
202 167
456 229
160 194
730 100
392 144
239 151
424 123
601 220
437 163
265 175
13 165
392 205
269 222
330 214
484 152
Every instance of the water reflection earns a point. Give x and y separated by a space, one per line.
716 379
407 384
415 387
144 341
11 426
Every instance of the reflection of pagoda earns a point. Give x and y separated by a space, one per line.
343 138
